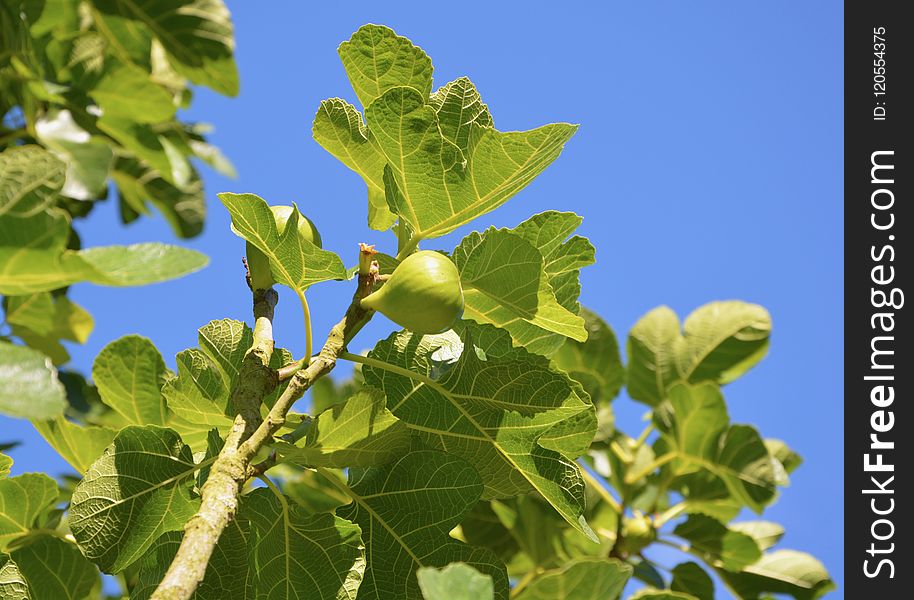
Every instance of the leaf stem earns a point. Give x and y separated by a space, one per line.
653 466
277 492
524 581
385 366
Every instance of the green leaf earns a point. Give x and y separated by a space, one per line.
581 579
140 140
196 35
199 395
127 91
338 127
140 264
490 407
781 452
30 387
504 281
377 59
729 549
5 464
720 342
34 312
136 491
78 444
129 373
457 581
698 432
438 489
781 572
12 583
649 594
440 186
765 533
33 258
30 178
596 363
296 556
359 433
690 578
54 568
23 500
295 262
313 492
88 158
41 321
226 573
184 208
459 106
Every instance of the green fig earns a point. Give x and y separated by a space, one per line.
259 264
423 294
637 533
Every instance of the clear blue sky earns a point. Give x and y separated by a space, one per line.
708 166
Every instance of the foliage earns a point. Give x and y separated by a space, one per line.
481 462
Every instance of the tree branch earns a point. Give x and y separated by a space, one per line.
220 492
249 434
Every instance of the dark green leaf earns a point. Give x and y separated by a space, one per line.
690 578
729 549
438 490
136 491
596 363
54 568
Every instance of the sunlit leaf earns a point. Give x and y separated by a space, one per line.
490 407
30 178
30 387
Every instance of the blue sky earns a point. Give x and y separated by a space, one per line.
708 166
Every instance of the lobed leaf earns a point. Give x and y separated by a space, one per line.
731 549
405 510
358 433
720 342
490 407
295 262
436 186
136 491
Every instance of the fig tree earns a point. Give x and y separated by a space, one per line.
259 264
423 294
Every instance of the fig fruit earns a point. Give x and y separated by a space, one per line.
259 264
423 294
637 533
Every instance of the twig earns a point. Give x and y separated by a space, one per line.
219 496
249 434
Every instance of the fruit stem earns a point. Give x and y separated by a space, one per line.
308 344
409 247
